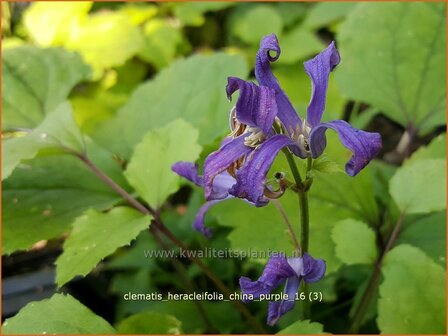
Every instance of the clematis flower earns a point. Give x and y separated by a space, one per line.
263 122
279 270
304 137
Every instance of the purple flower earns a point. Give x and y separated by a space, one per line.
263 122
279 270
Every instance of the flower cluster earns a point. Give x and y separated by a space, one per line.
262 123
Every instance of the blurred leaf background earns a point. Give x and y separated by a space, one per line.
113 80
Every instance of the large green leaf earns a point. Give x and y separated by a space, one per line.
326 13
65 19
58 130
150 323
338 189
305 327
161 42
42 198
60 314
401 70
419 187
427 233
412 295
251 23
35 81
149 170
355 242
96 235
201 101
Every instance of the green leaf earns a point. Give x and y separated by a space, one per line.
355 242
253 22
427 233
419 187
352 193
65 19
162 40
325 13
35 81
58 130
153 179
60 314
96 235
412 295
291 12
132 258
42 198
305 327
154 104
150 323
409 90
299 36
324 165
105 40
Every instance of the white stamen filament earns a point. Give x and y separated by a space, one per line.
254 139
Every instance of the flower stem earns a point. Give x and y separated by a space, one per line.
165 231
303 187
304 240
293 167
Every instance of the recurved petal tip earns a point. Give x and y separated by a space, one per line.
188 170
313 269
268 44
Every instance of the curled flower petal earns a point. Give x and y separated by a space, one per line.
265 77
363 145
313 269
318 69
256 104
220 160
277 270
277 309
199 222
189 170
251 178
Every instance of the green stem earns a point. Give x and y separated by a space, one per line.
293 167
302 188
304 220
